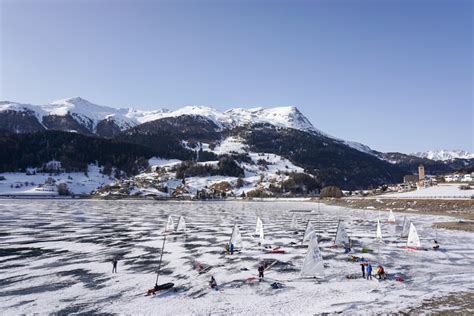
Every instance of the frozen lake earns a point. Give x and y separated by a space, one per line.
55 256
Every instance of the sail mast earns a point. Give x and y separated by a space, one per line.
232 235
306 229
161 259
403 226
337 230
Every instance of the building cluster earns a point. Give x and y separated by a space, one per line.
417 181
51 185
459 177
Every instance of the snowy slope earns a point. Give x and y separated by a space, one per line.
18 183
287 117
220 119
258 176
444 155
84 112
20 107
90 114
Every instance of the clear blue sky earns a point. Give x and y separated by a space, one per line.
395 75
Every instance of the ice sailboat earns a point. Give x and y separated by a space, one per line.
181 228
342 238
313 265
235 238
391 217
259 230
170 224
413 241
164 286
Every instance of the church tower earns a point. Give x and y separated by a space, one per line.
421 172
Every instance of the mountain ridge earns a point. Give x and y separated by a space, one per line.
445 155
79 115
87 112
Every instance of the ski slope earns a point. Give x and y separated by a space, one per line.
56 258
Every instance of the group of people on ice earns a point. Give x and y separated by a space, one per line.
367 270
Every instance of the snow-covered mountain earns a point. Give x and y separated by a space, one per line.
444 155
90 116
74 114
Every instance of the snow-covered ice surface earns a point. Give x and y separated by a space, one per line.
56 257
441 191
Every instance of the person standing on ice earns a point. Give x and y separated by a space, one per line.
261 270
381 273
362 267
231 248
369 271
213 283
114 265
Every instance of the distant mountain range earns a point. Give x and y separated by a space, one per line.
445 155
181 134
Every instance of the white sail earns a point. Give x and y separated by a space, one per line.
259 229
413 239
181 225
294 223
391 217
405 227
313 264
309 232
341 235
379 231
236 238
170 224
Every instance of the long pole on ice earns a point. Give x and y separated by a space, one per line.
304 233
337 230
161 259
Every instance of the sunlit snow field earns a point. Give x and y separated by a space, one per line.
55 256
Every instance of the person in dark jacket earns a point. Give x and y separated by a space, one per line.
153 290
362 267
261 270
114 265
369 271
381 273
231 248
213 283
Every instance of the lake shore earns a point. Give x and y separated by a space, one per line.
462 209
